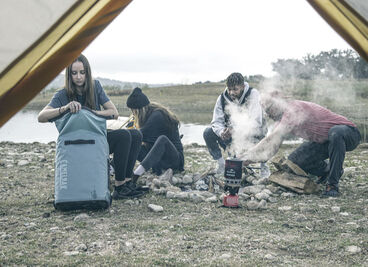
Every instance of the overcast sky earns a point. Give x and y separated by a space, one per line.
186 41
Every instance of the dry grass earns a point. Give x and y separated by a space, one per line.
185 233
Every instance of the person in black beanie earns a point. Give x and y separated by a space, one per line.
161 148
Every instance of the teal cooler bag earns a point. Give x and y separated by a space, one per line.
81 162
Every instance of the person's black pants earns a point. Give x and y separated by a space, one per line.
125 145
213 143
162 155
311 156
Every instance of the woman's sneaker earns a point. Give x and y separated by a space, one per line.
124 191
136 187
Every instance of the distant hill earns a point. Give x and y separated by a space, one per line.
59 82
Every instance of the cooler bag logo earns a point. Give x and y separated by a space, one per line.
63 174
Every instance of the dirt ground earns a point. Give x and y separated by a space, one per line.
297 230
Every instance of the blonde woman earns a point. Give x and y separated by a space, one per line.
162 148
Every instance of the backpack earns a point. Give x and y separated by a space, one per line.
82 162
244 102
223 102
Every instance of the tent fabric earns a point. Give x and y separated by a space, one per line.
349 18
51 49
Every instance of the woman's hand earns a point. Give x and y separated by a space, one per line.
74 106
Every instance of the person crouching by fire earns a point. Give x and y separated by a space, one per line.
328 136
237 94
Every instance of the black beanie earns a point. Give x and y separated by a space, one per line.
137 99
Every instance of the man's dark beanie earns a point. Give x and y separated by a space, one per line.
137 99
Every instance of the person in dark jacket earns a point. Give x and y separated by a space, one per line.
161 148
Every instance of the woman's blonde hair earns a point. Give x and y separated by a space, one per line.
143 114
71 89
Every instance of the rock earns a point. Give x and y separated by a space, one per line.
272 188
288 194
252 190
128 246
187 179
335 209
225 256
156 182
54 229
23 162
71 253
170 194
174 180
272 199
81 217
260 181
167 175
155 208
262 196
267 191
212 199
204 194
344 214
353 249
129 202
30 225
353 224
81 247
252 205
243 196
262 204
269 257
196 198
160 191
284 208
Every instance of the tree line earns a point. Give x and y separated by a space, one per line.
331 65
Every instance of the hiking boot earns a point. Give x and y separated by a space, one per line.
331 191
123 191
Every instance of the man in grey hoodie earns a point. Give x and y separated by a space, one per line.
237 92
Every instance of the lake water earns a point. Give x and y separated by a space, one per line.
24 128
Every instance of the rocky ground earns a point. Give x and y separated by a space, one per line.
180 221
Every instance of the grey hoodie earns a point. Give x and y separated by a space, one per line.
254 108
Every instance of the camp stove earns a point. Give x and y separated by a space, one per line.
233 175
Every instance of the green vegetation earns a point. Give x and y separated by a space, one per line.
194 103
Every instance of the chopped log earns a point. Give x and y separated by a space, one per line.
210 185
283 164
219 182
294 182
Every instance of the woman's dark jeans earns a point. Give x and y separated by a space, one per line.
311 156
162 155
125 145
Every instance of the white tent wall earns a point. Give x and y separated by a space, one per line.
55 33
23 22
